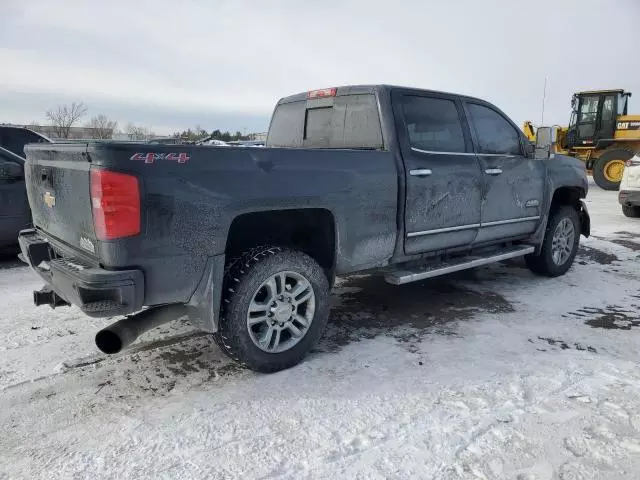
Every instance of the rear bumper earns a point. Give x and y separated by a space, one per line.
629 197
96 291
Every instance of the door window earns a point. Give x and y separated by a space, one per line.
495 133
587 117
607 108
622 104
433 124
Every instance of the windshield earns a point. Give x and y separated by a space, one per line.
589 108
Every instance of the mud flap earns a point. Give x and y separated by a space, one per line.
204 306
585 220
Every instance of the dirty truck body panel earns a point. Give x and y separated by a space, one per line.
403 174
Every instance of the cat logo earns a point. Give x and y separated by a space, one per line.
49 199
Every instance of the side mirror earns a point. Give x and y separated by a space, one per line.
10 172
544 142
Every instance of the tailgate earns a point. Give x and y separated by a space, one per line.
57 178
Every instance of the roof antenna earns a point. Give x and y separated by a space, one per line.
544 97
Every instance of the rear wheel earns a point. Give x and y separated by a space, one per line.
560 244
608 168
631 211
275 308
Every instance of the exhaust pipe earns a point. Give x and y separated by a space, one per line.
123 333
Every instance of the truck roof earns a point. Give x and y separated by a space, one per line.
364 89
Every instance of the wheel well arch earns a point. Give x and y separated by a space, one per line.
310 230
571 196
630 145
567 196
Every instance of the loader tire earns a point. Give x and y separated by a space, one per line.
608 168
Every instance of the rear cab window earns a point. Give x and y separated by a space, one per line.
342 121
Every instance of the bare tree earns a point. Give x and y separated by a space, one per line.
101 127
137 133
64 117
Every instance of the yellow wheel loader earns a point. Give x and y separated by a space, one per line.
600 133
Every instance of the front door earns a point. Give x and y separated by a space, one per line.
513 183
442 175
608 118
587 119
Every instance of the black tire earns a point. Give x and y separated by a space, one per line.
542 263
243 277
600 164
631 211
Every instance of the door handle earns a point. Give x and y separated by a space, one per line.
420 172
493 171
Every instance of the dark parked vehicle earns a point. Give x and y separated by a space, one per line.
410 184
14 207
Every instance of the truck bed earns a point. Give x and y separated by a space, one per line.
191 194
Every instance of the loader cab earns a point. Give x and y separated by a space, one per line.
593 117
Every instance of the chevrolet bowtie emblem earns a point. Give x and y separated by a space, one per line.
49 199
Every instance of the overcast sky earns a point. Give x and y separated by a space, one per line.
223 64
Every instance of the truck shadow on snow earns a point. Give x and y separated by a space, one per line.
365 307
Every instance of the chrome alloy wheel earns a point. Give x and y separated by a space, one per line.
562 243
281 312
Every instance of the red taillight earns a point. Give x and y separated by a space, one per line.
115 201
323 92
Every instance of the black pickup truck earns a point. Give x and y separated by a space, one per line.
406 183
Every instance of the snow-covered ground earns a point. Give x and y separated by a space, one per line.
488 374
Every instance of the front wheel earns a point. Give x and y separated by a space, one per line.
560 244
275 307
631 211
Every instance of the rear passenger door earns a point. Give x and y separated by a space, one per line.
443 179
513 181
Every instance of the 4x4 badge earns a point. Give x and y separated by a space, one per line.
49 199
